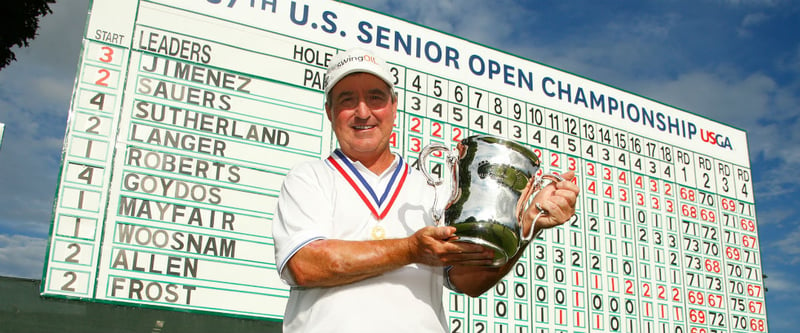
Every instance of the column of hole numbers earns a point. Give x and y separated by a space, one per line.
653 163
414 123
657 163
485 115
488 113
397 138
600 238
602 190
557 275
655 181
414 104
555 254
562 141
74 250
647 234
651 197
548 255
616 206
512 310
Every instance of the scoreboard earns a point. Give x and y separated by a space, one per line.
186 115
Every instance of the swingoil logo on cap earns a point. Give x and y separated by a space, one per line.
363 58
356 61
346 66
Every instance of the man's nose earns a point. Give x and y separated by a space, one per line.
362 110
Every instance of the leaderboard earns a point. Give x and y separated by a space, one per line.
187 114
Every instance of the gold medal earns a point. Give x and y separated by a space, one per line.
378 232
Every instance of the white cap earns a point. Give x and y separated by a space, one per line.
356 61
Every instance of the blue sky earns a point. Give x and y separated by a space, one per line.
733 61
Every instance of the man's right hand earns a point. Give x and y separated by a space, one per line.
434 246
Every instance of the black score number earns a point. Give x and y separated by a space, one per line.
70 277
98 100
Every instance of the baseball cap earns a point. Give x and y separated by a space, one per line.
356 61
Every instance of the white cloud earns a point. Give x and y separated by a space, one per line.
35 94
754 19
750 21
783 291
759 3
22 256
788 246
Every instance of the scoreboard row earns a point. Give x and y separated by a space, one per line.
187 114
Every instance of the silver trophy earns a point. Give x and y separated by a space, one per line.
487 179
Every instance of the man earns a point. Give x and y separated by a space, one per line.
353 233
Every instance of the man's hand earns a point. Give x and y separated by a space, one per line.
557 199
432 246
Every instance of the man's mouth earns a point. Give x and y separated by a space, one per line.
363 127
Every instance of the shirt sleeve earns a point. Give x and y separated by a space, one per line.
302 215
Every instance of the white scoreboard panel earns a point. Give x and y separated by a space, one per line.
186 115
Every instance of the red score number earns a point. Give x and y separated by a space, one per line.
748 225
687 194
697 316
755 307
749 241
572 164
457 133
757 325
729 204
732 253
590 169
436 129
704 214
670 206
753 290
715 300
695 297
713 266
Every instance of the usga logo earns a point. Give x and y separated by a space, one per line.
715 139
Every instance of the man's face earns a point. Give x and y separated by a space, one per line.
362 111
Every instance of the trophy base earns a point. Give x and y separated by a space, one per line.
495 236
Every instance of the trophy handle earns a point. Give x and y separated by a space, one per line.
452 162
537 186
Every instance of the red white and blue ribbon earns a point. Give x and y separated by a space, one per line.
379 206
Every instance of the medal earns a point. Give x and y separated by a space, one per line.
379 203
378 232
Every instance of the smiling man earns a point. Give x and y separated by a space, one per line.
353 233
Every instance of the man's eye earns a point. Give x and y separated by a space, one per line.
347 102
376 99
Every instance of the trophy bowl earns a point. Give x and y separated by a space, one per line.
488 177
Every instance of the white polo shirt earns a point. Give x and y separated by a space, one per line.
321 200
